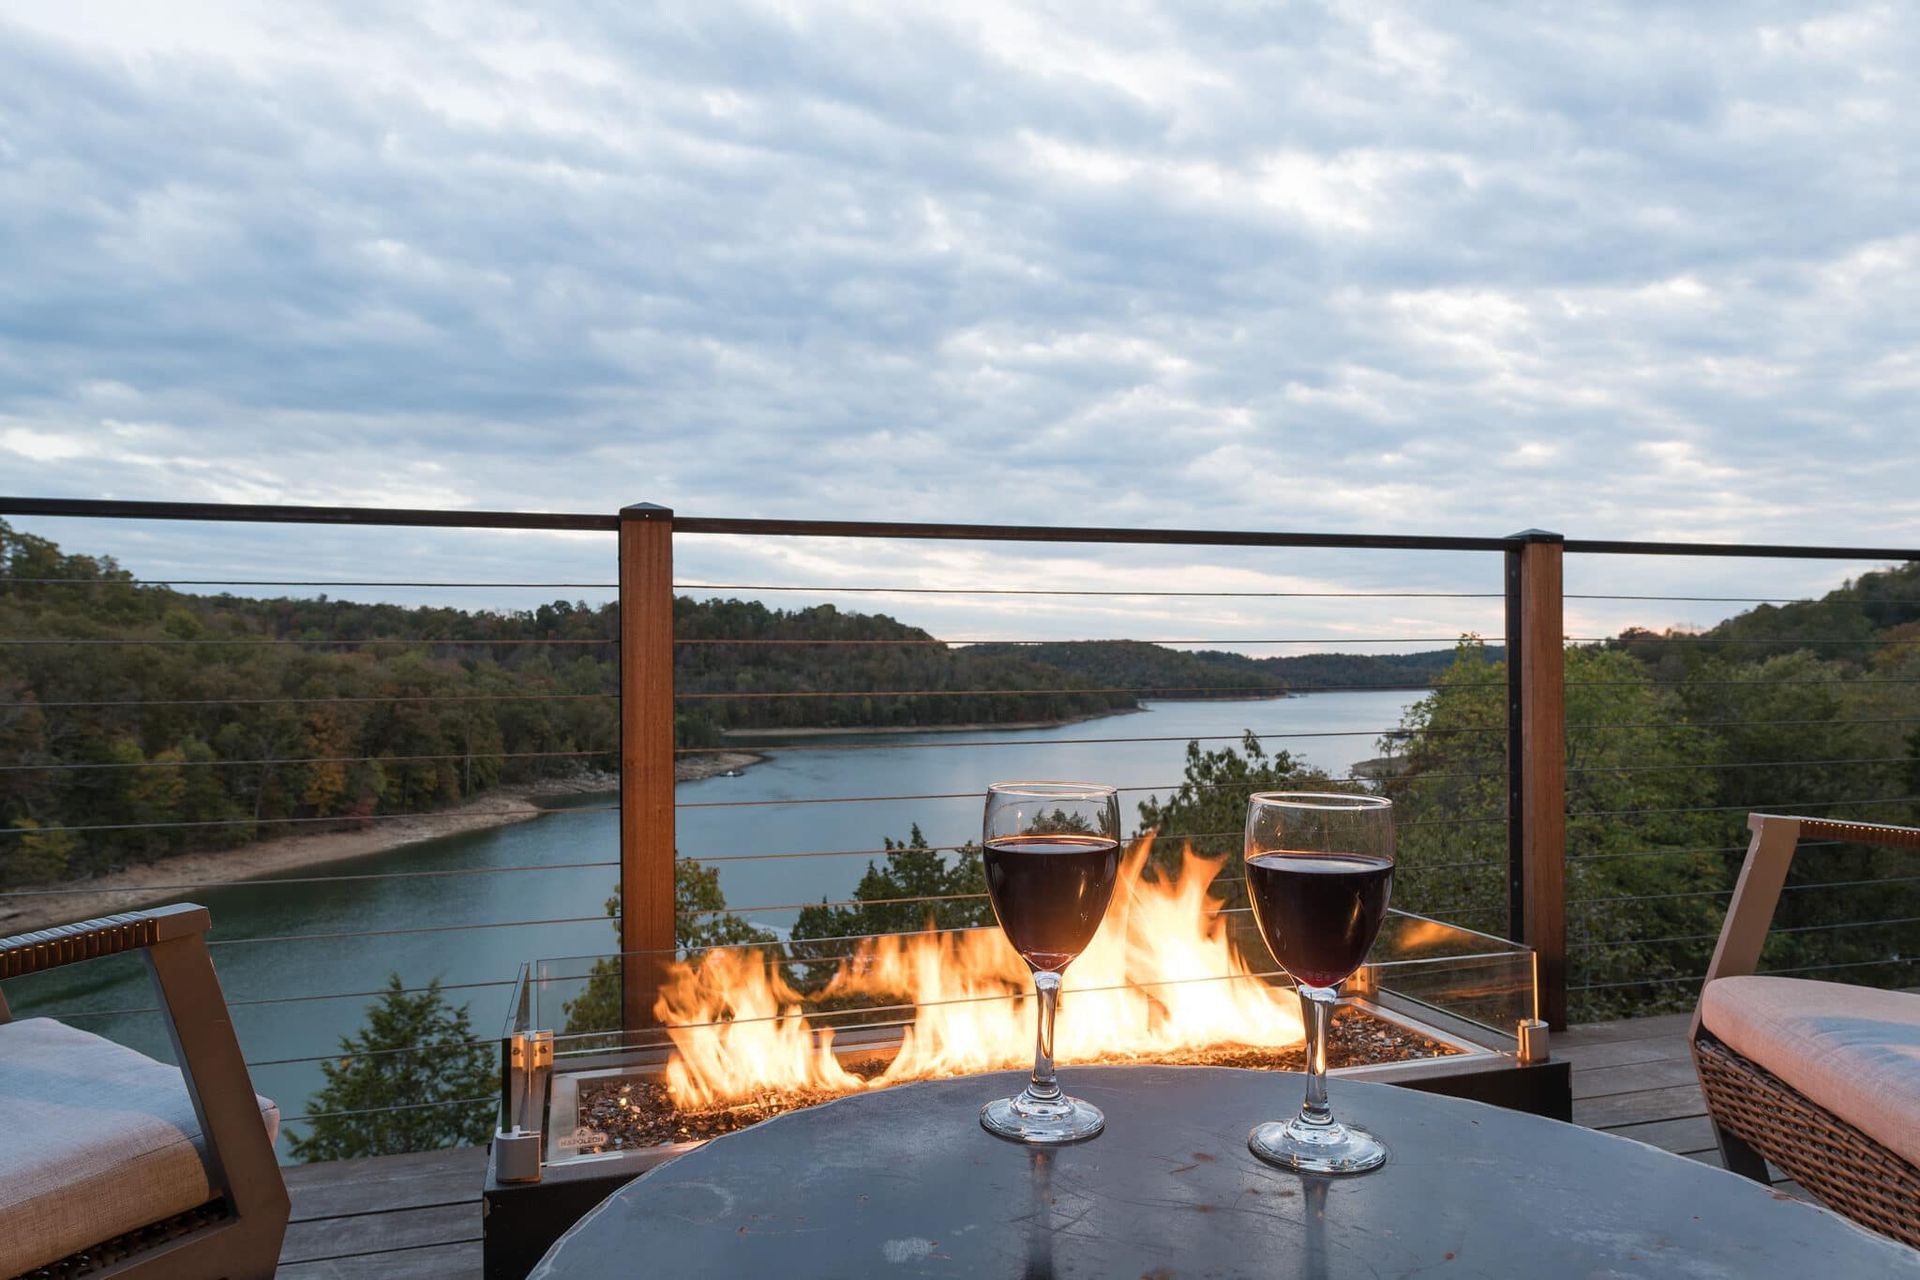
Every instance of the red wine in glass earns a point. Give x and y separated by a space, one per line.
1050 892
1319 873
1052 854
1319 912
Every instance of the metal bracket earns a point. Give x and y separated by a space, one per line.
1533 1039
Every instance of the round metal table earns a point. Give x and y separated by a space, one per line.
904 1182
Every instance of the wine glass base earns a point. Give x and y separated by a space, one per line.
1316 1148
1042 1121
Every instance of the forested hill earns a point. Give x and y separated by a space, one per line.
1154 671
1871 621
162 720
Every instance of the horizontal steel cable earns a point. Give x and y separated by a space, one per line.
1709 849
411 930
492 1043
1023 642
301 999
1851 682
274 882
1727 893
1462 908
490 1100
272 822
1740 764
1238 690
1847 964
1054 591
1799 641
315 702
1163 838
847 902
1745 724
1637 982
1739 808
1709 937
972 847
252 641
929 795
62 766
787 748
1696 977
284 582
1404 867
879 902
1572 595
924 849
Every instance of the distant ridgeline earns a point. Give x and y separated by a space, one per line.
1159 672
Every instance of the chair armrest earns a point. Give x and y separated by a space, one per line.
1857 832
1764 874
108 935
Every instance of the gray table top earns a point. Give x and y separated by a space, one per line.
904 1182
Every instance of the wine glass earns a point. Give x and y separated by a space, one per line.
1052 852
1319 872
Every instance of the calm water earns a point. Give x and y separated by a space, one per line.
467 948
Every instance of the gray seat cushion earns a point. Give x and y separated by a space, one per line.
1854 1051
95 1139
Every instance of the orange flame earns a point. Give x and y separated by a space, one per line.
1159 977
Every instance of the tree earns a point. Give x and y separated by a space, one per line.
700 920
912 869
413 1079
1209 810
1641 830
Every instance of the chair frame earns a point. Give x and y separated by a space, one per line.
244 1244
1758 1117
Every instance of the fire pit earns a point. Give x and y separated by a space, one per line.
624 1109
747 1033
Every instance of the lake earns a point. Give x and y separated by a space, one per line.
465 928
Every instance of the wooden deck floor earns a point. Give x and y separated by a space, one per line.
418 1217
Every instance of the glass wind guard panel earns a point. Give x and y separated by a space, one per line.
1418 969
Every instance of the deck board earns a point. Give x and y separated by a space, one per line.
416 1217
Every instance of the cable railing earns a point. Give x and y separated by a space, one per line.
1494 835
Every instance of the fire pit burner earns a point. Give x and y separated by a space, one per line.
633 1111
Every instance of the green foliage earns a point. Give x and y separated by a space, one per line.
699 921
912 869
1209 811
413 1079
1634 826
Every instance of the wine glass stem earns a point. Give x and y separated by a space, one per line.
1316 1010
1044 1087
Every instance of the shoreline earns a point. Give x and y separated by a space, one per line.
159 882
748 738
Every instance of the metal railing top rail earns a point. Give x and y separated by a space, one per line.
1754 551
441 518
265 513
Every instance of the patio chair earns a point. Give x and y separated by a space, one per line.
1821 1078
112 1164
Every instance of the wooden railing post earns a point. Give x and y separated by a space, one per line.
646 756
1537 762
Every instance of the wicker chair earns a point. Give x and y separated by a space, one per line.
1820 1078
112 1164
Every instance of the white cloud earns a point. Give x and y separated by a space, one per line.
1626 272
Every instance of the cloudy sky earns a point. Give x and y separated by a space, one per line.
1619 270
